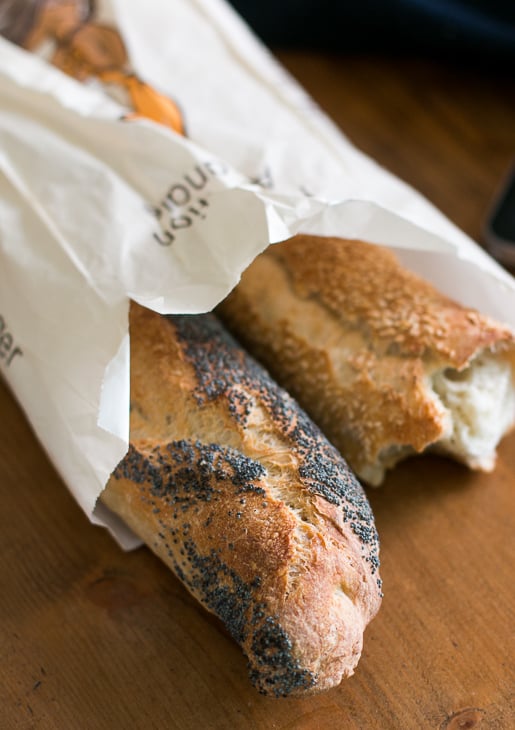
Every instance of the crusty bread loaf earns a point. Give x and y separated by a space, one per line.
231 484
382 362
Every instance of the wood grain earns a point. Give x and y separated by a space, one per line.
91 637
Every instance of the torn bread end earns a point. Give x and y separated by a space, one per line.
480 400
477 407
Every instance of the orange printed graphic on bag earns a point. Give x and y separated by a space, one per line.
85 49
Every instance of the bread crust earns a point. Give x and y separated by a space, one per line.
238 492
355 338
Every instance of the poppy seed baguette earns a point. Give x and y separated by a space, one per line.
229 482
385 364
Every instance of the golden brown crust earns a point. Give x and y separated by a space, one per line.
365 287
355 338
234 488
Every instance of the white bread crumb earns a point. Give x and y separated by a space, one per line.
480 401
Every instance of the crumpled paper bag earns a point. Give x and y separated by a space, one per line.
134 166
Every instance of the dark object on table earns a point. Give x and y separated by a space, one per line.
470 31
499 233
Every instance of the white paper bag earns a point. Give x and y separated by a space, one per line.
99 205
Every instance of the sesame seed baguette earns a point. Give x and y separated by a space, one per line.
383 363
230 483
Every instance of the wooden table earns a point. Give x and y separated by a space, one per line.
91 637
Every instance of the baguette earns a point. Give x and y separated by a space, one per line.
230 483
382 362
